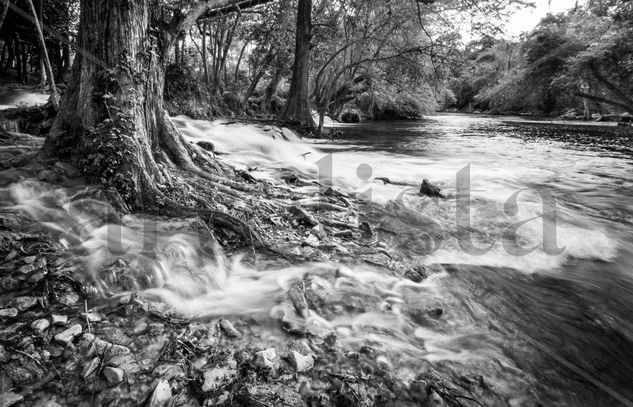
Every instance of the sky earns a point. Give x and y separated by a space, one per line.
526 19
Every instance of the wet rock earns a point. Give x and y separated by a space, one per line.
319 231
289 135
266 358
59 320
417 274
113 375
67 169
9 399
311 241
40 325
299 362
228 329
435 312
24 303
431 190
91 316
434 400
100 347
65 294
161 395
216 377
68 335
366 230
8 313
269 395
303 216
207 145
169 372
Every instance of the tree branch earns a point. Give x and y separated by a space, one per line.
601 99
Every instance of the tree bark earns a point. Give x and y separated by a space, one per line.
271 89
297 107
4 7
111 122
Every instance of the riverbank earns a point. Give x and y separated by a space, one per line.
83 324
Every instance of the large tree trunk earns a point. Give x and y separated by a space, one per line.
297 107
111 121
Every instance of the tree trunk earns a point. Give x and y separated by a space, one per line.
205 62
10 56
44 56
18 61
297 107
587 111
271 89
111 122
4 7
253 85
239 61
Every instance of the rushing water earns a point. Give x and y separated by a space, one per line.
548 327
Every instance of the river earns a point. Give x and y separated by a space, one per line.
553 325
530 290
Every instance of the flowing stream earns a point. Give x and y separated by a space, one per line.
552 325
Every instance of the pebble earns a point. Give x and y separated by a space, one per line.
9 399
91 316
59 320
215 377
68 335
8 313
229 330
266 358
161 394
24 303
40 325
113 375
301 363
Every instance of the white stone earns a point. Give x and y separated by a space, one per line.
266 358
68 335
8 313
215 377
301 363
40 325
113 375
161 394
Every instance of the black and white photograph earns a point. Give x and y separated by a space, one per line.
316 203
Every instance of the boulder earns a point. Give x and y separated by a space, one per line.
350 117
207 145
266 358
431 190
228 329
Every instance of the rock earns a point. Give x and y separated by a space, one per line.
207 145
435 312
24 303
8 313
344 234
67 169
100 347
431 190
91 316
161 395
113 375
266 358
216 377
319 231
303 216
90 368
68 335
311 241
228 329
299 362
268 395
170 372
40 325
417 274
366 230
9 399
59 320
434 400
